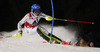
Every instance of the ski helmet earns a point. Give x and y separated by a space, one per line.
35 7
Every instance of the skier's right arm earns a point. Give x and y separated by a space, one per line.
21 22
19 26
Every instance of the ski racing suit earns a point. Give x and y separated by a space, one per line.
32 26
31 22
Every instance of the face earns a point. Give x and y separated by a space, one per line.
91 44
81 41
36 14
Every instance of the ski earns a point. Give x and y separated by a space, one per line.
63 43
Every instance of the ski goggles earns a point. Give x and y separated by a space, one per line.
36 11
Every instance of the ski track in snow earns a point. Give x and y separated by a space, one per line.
33 43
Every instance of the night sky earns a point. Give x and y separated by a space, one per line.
82 10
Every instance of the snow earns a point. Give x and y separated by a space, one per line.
34 43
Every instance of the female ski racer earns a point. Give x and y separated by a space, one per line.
31 20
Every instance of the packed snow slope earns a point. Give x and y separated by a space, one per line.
34 43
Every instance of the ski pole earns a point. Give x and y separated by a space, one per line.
52 20
15 35
74 21
1 37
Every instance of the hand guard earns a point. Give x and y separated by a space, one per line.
49 18
17 36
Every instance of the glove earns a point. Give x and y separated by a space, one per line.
49 18
20 31
17 36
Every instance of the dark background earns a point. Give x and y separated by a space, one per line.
82 10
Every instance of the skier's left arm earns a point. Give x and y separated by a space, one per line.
47 17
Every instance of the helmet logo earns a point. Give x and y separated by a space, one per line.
35 6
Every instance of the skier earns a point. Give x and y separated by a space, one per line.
31 20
